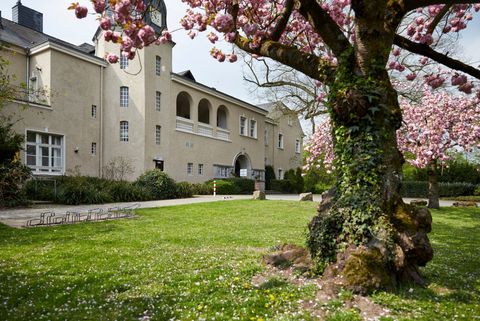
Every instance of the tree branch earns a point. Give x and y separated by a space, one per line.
311 65
438 18
426 51
282 21
325 26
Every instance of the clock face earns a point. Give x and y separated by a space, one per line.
156 17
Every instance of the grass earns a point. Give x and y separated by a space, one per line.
196 262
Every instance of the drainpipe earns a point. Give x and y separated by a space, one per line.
100 158
27 73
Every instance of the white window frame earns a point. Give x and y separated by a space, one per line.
93 111
190 169
244 128
124 96
158 65
158 101
124 131
280 141
158 134
123 62
38 145
253 128
298 145
200 169
93 149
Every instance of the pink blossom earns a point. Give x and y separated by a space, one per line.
81 12
112 58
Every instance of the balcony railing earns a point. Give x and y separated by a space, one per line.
223 134
184 124
205 130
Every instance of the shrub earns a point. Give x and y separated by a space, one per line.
202 189
317 180
233 185
81 190
420 189
269 175
12 177
226 187
476 192
122 191
184 190
283 185
158 184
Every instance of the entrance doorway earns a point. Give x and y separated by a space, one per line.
242 166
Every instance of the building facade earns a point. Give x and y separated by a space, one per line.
81 114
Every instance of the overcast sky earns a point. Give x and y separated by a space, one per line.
188 54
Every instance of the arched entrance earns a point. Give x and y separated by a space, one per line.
243 166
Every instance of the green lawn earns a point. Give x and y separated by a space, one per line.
196 262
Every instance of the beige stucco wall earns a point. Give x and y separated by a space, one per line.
197 149
76 86
287 157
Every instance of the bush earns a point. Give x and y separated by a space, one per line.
282 185
82 190
456 170
158 184
420 189
12 177
317 180
184 190
122 191
269 175
233 185
202 189
226 187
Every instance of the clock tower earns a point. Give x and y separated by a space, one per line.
156 15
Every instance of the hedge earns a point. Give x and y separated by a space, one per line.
420 189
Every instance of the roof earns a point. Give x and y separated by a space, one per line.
21 36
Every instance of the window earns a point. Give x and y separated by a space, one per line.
253 128
280 174
158 100
123 96
222 171
200 169
94 149
94 111
124 131
44 152
190 169
123 62
290 122
243 126
158 65
297 146
158 131
265 136
280 141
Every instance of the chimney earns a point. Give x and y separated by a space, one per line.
27 17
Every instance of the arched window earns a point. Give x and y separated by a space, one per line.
222 117
204 111
124 131
183 105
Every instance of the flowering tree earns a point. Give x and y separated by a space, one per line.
345 44
434 127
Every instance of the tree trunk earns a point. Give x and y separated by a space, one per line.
433 193
364 236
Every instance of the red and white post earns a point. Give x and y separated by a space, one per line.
214 187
